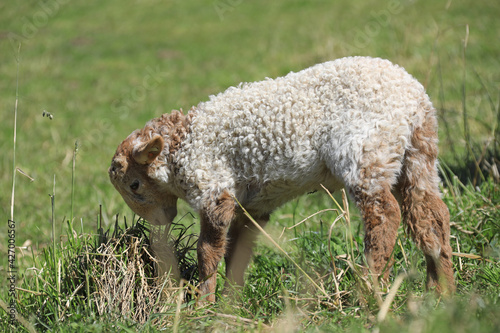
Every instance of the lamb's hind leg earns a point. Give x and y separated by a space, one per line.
426 215
427 220
381 215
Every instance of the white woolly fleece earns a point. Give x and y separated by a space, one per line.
345 122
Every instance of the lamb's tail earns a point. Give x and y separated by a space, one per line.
425 214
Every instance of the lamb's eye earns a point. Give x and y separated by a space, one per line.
135 185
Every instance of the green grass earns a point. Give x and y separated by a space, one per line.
108 281
86 63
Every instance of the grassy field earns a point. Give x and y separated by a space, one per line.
102 69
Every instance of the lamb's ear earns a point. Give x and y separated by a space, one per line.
147 152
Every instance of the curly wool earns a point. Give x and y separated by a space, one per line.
346 122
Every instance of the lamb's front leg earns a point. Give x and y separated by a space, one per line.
215 221
211 249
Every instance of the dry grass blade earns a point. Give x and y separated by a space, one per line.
27 325
178 308
323 291
384 309
68 302
36 293
344 209
310 216
335 279
15 138
334 200
460 265
403 252
25 174
236 318
461 229
467 255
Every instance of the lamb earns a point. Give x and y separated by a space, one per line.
358 122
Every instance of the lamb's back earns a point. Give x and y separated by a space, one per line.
275 129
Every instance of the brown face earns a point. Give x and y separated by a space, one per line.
130 172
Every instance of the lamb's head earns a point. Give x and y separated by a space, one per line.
134 171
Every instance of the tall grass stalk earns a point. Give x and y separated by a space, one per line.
73 169
497 127
468 142
18 60
464 106
52 220
57 262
